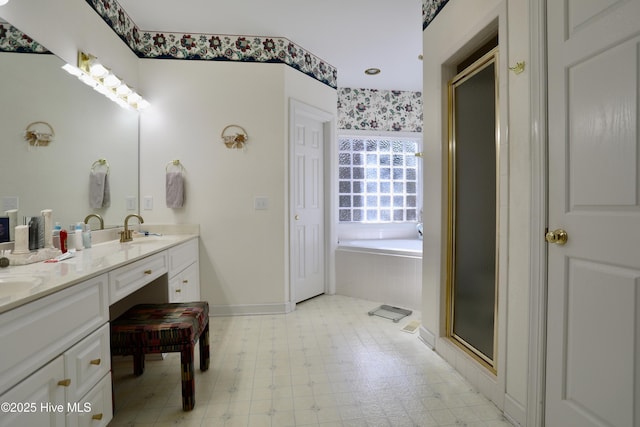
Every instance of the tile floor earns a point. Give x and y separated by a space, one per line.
326 364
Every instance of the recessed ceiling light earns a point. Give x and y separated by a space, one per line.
372 71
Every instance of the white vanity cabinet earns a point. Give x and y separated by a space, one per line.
184 272
55 357
55 353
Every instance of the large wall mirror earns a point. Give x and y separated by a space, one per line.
87 127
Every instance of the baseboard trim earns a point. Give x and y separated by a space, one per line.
249 309
514 411
428 338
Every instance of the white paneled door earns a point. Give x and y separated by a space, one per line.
593 320
307 207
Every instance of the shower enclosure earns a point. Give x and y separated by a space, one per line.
472 258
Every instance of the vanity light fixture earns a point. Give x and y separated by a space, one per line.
102 80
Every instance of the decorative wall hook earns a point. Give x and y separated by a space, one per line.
237 140
518 68
39 134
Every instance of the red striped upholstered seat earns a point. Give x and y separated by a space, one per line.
165 328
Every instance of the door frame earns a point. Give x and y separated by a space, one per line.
539 215
328 120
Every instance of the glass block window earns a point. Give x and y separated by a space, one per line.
378 179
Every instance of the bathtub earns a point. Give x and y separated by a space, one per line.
387 271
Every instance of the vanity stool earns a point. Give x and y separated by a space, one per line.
165 328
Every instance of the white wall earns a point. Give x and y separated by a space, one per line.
449 37
244 252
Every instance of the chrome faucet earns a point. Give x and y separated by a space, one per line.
88 217
125 235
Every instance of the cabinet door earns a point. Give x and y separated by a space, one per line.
186 285
37 401
87 362
95 409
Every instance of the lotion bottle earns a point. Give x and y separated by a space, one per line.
63 240
56 235
78 237
86 236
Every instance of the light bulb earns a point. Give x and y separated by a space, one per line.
133 98
98 70
111 81
3 2
142 104
74 71
123 90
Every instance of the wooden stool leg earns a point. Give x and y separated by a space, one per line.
204 348
188 381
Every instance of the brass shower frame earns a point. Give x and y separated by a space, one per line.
490 57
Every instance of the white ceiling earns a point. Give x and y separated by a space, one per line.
351 35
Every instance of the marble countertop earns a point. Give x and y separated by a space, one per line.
25 283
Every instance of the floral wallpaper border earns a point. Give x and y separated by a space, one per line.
202 46
14 40
212 47
384 110
431 8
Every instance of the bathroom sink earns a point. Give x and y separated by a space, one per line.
13 284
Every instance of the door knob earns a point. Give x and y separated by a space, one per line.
558 236
297 217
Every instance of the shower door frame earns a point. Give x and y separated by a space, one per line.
489 58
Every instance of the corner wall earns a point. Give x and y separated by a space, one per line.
243 251
446 39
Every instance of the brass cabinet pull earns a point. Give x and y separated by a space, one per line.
185 281
178 290
65 383
97 417
558 236
147 272
95 362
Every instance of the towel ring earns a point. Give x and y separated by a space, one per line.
237 140
175 163
100 162
38 138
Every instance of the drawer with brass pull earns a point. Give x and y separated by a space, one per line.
128 279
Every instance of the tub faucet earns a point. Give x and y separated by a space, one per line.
93 215
125 235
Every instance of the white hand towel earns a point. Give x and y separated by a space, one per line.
175 189
99 191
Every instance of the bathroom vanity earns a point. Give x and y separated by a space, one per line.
55 363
